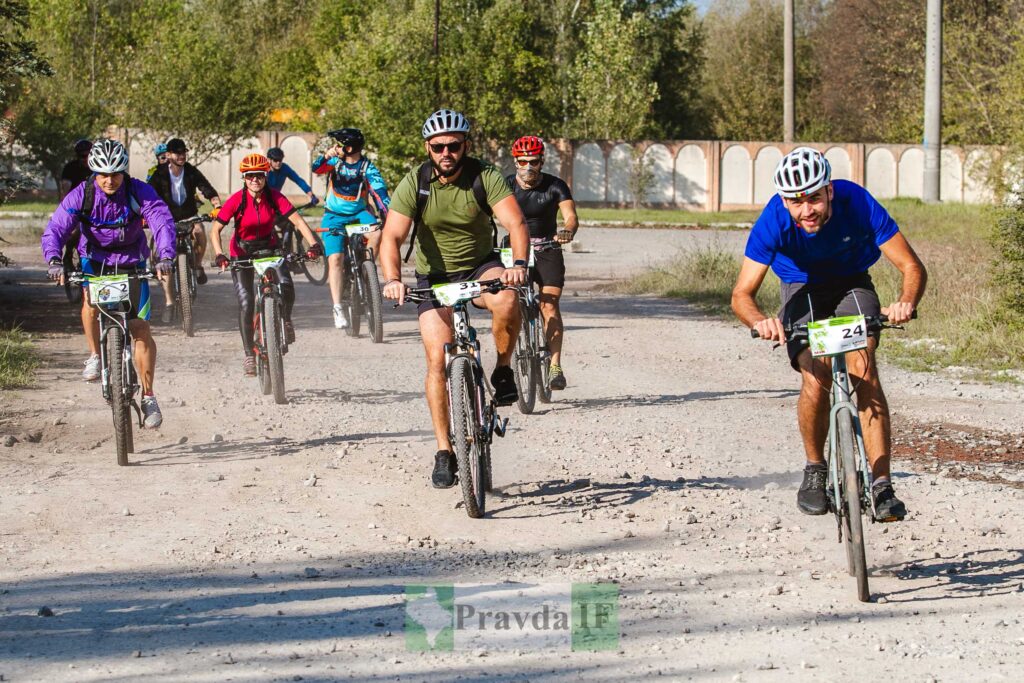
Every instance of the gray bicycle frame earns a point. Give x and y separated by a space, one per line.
842 399
463 344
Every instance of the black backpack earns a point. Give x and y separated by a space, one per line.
280 220
425 176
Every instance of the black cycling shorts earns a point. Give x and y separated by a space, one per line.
854 295
424 281
548 268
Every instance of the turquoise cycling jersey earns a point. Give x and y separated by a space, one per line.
350 189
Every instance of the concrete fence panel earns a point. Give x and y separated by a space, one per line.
976 168
880 174
839 160
552 160
736 176
620 168
297 155
911 175
767 160
231 162
659 161
589 173
951 177
691 176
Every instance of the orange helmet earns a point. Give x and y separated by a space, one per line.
528 146
254 163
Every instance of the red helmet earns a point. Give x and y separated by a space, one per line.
528 146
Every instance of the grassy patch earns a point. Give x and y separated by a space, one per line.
665 216
960 322
32 206
17 359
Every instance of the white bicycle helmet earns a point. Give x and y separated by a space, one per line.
444 121
802 172
108 156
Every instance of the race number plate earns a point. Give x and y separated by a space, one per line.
262 265
108 289
837 335
361 228
451 294
507 260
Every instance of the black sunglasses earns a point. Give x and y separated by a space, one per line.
453 147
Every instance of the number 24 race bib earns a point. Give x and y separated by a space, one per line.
835 336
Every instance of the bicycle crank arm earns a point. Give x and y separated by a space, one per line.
499 425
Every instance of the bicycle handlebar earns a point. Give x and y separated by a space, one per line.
799 330
307 205
194 220
78 277
340 230
427 293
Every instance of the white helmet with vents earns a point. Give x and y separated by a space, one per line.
108 156
444 121
802 172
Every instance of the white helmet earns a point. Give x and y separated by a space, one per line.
108 156
444 121
802 172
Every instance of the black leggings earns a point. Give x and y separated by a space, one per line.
244 279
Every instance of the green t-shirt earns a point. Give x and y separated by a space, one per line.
455 233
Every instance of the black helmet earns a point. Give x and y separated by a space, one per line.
348 137
275 154
82 147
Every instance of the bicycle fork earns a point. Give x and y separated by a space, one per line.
843 400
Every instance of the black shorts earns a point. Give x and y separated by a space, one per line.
424 281
548 268
854 295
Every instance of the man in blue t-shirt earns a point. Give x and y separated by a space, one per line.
821 237
280 172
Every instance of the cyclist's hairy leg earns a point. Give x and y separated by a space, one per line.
873 407
90 324
553 329
373 242
505 317
144 353
199 233
168 288
336 276
812 408
436 331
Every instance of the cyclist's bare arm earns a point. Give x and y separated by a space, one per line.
570 220
396 229
215 237
507 212
915 277
745 307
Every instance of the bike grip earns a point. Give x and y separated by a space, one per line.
754 333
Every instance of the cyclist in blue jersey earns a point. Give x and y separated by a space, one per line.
160 152
280 172
353 183
820 237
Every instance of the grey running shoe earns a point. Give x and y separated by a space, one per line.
151 415
811 497
340 318
92 369
888 508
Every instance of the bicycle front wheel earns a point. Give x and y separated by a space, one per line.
354 303
316 271
119 400
374 301
464 433
275 359
183 276
523 366
853 526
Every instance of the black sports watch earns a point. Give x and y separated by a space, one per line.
519 263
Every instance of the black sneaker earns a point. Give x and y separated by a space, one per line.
504 383
289 332
811 499
888 508
200 275
445 468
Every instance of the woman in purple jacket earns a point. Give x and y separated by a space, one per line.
109 209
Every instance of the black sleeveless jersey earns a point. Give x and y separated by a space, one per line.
540 204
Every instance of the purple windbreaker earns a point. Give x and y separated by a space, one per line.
117 246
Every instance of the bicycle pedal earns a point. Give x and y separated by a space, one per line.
500 425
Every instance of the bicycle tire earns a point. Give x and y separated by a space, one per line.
354 305
853 526
542 361
374 301
316 271
463 428
523 367
184 296
119 401
275 359
71 291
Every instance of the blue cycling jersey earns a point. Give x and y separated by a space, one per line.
847 244
275 179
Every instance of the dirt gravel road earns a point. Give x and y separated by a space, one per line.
256 542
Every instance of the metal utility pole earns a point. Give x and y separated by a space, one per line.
932 100
437 54
788 98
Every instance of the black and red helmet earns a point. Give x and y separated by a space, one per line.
528 146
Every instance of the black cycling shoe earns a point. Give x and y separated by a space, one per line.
888 508
445 468
200 275
504 383
811 498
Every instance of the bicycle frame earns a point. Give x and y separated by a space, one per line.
842 399
269 285
466 344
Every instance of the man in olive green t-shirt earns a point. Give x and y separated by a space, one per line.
454 243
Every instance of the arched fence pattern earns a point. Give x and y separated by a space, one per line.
699 175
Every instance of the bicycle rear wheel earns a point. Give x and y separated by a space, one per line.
275 359
524 367
316 271
374 301
464 434
183 275
119 401
853 526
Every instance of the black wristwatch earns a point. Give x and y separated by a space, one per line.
519 263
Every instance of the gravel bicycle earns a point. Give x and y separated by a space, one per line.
364 290
269 340
119 381
472 411
531 361
184 284
294 243
849 474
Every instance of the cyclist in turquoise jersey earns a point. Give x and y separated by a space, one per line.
353 182
821 236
